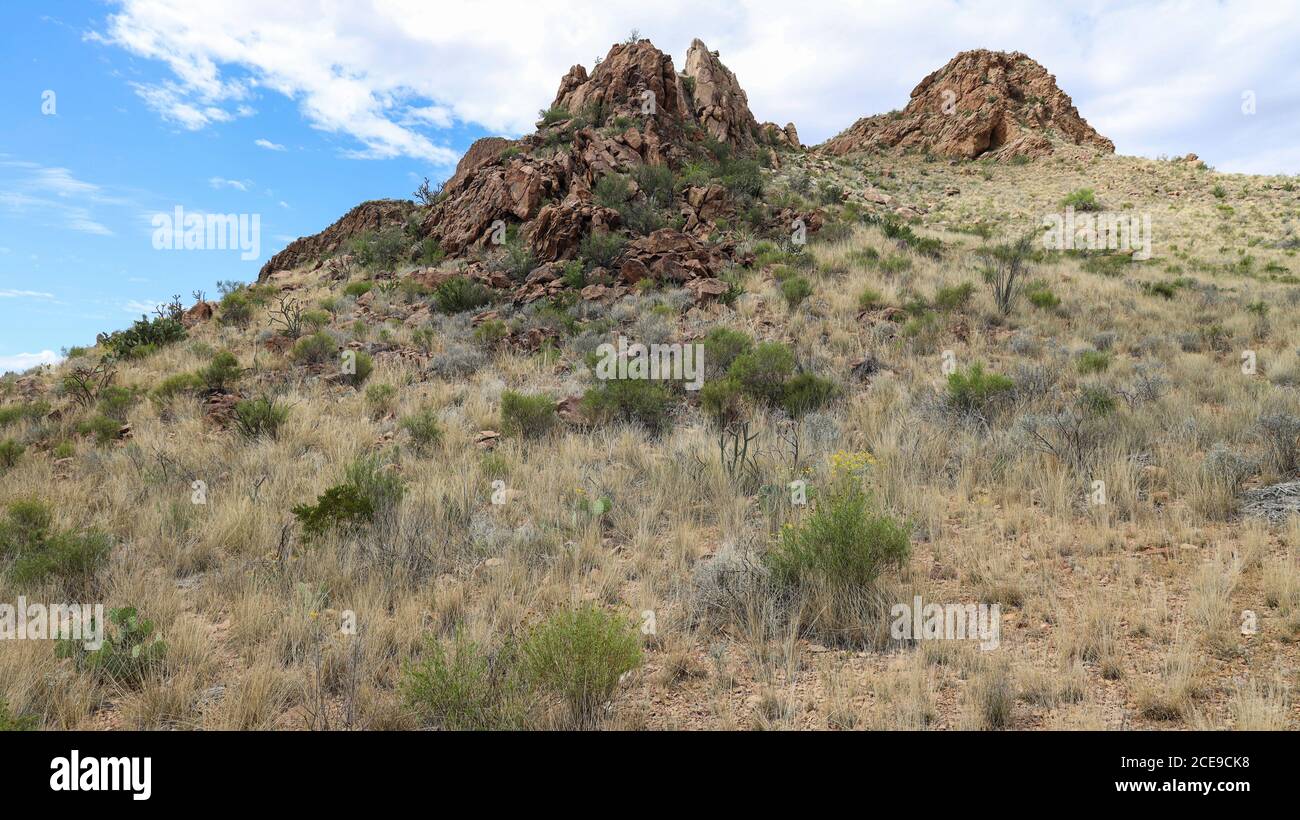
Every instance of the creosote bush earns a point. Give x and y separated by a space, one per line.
579 655
527 416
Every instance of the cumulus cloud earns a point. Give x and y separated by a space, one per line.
1155 76
268 145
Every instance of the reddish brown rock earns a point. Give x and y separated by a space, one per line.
718 103
981 102
375 215
200 312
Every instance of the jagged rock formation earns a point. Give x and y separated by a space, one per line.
981 103
375 215
718 103
633 110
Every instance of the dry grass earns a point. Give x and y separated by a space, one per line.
1108 610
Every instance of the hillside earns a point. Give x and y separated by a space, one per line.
388 485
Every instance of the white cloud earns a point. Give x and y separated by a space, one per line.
6 293
19 362
268 145
29 188
1162 76
237 184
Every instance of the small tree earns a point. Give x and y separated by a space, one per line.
1005 268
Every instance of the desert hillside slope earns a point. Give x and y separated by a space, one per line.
392 485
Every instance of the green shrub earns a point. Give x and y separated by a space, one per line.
954 297
424 429
361 366
103 428
467 689
601 248
639 401
841 544
492 332
579 655
316 319
870 299
342 507
763 371
807 392
221 372
381 399
318 348
145 335
1084 199
552 115
723 401
175 384
721 347
262 416
1041 296
612 191
129 654
975 391
236 308
459 294
10 452
381 249
1097 401
358 288
12 413
1093 361
527 416
38 554
794 290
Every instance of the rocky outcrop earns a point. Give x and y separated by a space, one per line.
375 215
482 152
775 135
718 103
980 103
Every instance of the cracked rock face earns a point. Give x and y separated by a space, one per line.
981 103
718 102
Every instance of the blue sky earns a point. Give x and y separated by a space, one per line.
297 110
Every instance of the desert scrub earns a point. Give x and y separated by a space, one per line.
356 367
723 401
221 373
794 290
10 452
258 417
318 348
424 430
381 399
763 371
1093 361
1084 199
578 656
130 653
976 392
954 297
842 543
35 553
459 294
529 416
831 561
870 299
465 689
370 490
807 392
640 401
722 346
